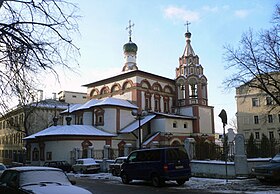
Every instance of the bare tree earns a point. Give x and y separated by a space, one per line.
35 38
256 62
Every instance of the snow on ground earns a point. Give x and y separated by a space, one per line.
246 186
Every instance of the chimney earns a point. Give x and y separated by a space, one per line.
55 119
40 95
54 95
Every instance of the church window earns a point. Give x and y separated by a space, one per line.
168 90
193 90
174 124
157 103
192 70
99 121
127 85
115 88
185 125
94 92
166 104
147 101
104 90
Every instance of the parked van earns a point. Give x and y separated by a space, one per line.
157 165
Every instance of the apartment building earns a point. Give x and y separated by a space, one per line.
257 113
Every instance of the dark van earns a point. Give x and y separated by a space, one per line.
157 165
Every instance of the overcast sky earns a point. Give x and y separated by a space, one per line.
159 33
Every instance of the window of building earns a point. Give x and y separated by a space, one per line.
99 121
270 119
185 125
73 96
271 135
175 124
35 154
255 102
156 105
257 135
49 156
256 119
269 100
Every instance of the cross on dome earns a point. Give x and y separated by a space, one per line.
129 28
187 24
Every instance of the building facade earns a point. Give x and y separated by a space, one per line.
26 120
257 113
134 108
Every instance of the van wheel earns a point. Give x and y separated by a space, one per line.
125 179
180 181
157 181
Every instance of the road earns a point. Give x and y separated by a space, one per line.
102 183
136 187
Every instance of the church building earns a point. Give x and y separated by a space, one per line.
135 108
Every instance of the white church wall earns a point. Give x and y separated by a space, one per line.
87 118
110 120
205 120
126 118
125 96
166 125
188 111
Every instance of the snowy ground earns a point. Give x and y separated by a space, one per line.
246 186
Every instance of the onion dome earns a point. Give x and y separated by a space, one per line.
130 47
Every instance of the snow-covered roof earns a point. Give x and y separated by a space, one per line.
150 139
116 102
135 125
72 107
176 116
70 130
103 102
88 104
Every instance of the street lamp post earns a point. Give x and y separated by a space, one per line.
139 114
223 116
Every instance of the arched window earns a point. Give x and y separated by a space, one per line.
104 90
193 88
94 92
157 87
168 89
127 85
115 88
145 84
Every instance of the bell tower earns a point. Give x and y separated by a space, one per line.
191 88
191 83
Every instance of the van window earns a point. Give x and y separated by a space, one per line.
132 157
150 155
175 155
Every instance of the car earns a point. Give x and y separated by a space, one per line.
157 165
36 179
268 172
115 168
86 165
2 168
63 165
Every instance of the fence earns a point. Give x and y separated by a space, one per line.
262 149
